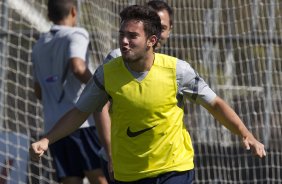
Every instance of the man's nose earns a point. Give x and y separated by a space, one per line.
124 40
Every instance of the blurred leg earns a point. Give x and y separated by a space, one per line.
72 180
96 176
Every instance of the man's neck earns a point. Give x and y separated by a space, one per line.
65 22
142 65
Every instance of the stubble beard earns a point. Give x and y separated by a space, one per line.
134 57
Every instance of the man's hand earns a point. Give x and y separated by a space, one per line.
250 143
38 148
111 170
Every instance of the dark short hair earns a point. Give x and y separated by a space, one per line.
159 5
149 17
59 9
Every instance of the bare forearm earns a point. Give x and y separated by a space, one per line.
80 70
103 124
83 77
227 117
71 121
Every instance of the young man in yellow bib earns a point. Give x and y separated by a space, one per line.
165 13
149 142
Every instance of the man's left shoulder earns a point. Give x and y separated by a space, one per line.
165 60
80 30
160 55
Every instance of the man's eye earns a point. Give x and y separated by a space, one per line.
133 36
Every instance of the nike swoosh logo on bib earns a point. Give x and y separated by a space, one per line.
134 134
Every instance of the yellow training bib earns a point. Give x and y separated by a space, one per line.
147 132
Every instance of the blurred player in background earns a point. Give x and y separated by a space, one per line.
149 141
60 71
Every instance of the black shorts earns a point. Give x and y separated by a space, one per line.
184 177
76 153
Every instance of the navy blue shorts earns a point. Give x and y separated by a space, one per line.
185 177
76 153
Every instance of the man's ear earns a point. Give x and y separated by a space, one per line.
73 11
152 41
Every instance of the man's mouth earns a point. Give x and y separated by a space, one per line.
125 49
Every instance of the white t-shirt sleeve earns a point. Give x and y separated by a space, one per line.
79 41
191 85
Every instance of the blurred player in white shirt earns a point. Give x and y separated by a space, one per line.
60 72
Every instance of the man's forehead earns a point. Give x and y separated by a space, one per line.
132 25
131 21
